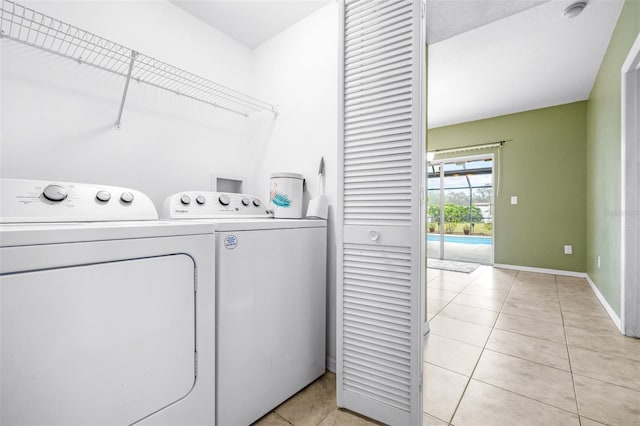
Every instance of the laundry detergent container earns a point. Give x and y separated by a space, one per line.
285 195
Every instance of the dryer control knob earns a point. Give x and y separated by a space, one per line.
126 197
245 202
224 200
55 193
103 196
256 202
185 199
200 199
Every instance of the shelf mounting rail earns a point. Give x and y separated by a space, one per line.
30 27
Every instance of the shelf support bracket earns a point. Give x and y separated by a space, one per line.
134 54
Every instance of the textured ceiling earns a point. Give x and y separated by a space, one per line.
486 57
534 59
447 18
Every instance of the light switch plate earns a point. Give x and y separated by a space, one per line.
514 199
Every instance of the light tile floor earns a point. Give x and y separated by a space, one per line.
506 348
314 405
520 348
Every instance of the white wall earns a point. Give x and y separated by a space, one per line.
298 70
58 116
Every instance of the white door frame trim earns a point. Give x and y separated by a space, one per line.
630 193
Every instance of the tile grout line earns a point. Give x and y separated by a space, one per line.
465 306
528 360
285 420
604 381
522 359
566 341
563 323
528 397
462 305
534 319
435 417
449 302
479 357
469 322
527 335
430 332
458 340
475 307
584 348
445 368
328 414
598 351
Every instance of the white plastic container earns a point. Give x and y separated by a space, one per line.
285 195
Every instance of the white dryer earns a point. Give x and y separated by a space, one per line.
106 313
270 301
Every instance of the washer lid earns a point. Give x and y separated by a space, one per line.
287 175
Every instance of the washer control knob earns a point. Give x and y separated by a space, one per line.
103 196
55 193
245 202
185 199
126 197
224 200
200 199
256 202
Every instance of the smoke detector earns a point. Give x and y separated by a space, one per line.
574 10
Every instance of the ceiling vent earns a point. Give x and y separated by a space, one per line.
574 10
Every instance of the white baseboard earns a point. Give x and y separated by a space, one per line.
541 270
614 317
331 364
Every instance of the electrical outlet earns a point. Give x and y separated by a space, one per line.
598 262
514 199
568 249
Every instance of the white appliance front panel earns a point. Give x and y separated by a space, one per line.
270 303
104 343
213 205
27 201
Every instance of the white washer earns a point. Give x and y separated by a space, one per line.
270 301
106 314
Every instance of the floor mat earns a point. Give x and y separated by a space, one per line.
451 265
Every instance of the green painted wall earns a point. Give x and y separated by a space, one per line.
543 163
603 159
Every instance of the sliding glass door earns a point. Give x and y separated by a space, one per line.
460 209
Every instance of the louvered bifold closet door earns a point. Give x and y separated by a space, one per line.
381 212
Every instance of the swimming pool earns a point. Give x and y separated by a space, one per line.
461 239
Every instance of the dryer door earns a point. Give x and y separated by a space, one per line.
102 343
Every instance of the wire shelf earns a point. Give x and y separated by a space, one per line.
30 27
